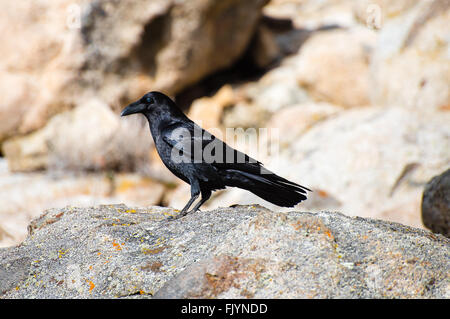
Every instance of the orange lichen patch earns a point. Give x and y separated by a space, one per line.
264 219
297 225
322 193
445 108
117 246
247 294
218 283
59 215
44 221
312 225
227 272
91 285
328 233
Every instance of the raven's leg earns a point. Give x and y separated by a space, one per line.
189 203
205 196
195 191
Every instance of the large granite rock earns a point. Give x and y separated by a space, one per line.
333 66
410 66
114 251
64 52
89 137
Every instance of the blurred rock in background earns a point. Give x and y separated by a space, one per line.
436 204
411 64
357 92
59 56
89 137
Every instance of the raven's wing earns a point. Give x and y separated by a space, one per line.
191 143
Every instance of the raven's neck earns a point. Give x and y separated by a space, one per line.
160 119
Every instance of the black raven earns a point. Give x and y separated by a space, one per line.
204 161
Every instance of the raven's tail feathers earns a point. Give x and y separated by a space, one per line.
268 186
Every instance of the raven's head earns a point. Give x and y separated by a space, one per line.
148 103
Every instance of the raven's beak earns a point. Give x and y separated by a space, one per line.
134 107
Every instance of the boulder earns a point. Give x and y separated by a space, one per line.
63 52
333 66
329 66
115 251
374 160
247 115
312 14
410 66
264 49
258 100
293 121
208 111
89 137
436 204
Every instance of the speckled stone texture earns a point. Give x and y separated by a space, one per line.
114 251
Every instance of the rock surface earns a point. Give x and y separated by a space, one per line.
334 66
436 204
374 13
114 251
88 138
314 14
410 66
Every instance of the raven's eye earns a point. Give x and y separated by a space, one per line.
149 100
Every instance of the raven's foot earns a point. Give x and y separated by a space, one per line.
182 214
171 218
